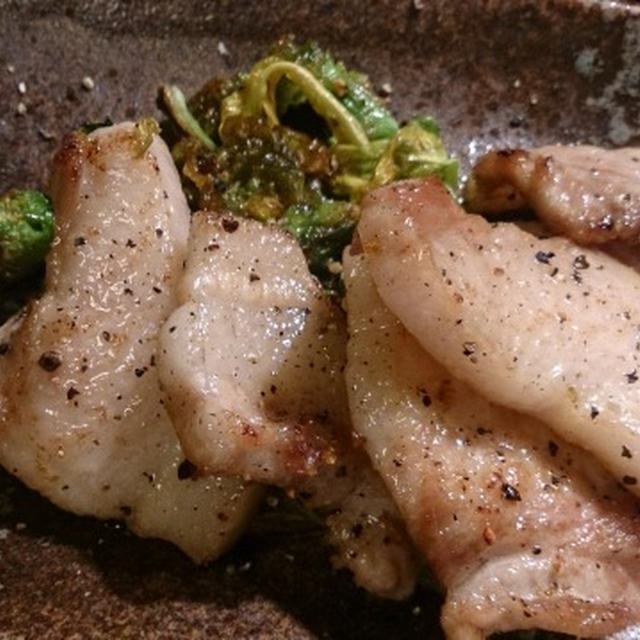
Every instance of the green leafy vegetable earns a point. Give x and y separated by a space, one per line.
352 89
416 151
258 96
323 228
26 232
143 132
298 140
175 100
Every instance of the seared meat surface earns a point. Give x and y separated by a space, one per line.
542 326
523 529
252 361
82 417
586 193
252 357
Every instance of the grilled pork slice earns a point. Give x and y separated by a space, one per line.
522 529
82 417
541 326
589 194
252 362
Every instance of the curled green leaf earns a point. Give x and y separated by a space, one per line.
26 232
416 151
352 89
143 132
298 141
176 104
259 96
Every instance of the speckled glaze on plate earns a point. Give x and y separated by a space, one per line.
492 72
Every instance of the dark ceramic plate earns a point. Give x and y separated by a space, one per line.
492 72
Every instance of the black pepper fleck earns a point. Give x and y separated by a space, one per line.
186 470
510 492
468 348
606 223
230 225
72 392
50 361
544 256
581 262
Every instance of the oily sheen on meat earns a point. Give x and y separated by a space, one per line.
252 360
586 193
542 326
82 417
522 529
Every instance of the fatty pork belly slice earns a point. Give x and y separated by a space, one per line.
589 194
542 326
252 362
522 529
82 417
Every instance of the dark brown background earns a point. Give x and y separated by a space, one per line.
492 72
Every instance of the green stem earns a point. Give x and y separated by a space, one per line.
261 89
177 105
